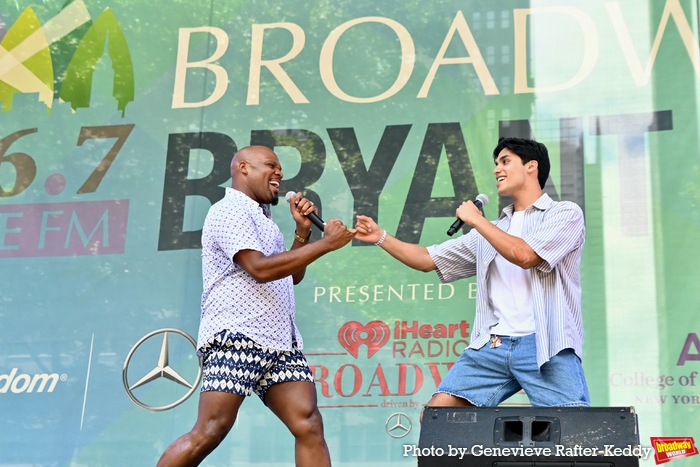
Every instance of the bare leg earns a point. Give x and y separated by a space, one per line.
295 403
217 413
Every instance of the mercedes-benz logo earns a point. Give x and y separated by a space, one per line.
398 425
162 368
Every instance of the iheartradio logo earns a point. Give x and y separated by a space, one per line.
353 334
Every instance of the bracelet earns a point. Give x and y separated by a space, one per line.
381 239
301 239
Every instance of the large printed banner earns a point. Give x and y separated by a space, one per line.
117 125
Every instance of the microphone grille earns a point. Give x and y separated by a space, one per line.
289 196
483 198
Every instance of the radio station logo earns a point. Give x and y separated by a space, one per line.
374 335
393 364
58 59
410 338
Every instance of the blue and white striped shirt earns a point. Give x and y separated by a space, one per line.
556 232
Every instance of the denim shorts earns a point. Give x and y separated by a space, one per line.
235 363
488 376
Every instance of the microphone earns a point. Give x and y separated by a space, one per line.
480 201
313 217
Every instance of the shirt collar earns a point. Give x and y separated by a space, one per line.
240 197
542 203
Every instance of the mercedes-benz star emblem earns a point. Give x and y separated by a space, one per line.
162 368
398 425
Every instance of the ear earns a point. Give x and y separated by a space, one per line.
532 166
243 167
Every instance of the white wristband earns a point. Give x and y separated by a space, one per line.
381 239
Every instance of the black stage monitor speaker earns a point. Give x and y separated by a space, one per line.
529 436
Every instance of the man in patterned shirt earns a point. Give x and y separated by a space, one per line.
528 332
248 338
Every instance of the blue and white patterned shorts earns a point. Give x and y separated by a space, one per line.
234 363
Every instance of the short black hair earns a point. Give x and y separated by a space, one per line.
528 150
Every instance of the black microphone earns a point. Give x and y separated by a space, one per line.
480 201
313 217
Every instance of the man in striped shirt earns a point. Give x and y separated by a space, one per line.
528 332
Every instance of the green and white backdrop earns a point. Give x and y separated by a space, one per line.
118 122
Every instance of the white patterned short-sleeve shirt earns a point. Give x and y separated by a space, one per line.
231 298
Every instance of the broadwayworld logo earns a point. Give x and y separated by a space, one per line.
57 60
672 448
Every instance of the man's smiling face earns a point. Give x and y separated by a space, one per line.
264 176
510 172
